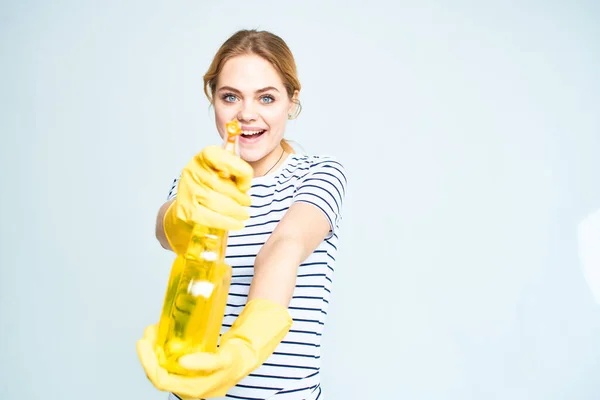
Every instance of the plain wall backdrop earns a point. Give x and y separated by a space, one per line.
470 132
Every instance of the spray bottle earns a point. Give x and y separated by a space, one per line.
197 291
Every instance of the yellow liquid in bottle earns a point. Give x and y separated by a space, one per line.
195 301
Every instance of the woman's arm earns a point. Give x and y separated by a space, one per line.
296 236
160 228
314 214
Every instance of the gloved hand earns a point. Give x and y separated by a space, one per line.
212 190
249 342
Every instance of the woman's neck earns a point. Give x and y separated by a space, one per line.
268 163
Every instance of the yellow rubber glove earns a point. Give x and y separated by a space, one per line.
249 342
212 190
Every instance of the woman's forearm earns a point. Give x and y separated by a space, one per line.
275 270
160 229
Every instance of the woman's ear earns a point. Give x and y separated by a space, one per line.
295 107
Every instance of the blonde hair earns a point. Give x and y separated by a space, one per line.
266 45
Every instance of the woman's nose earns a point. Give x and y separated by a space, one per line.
246 113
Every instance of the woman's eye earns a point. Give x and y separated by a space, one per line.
229 98
267 99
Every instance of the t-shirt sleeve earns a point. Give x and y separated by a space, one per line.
324 186
173 191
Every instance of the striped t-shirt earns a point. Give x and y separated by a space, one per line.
292 372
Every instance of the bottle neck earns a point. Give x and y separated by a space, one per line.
232 144
207 244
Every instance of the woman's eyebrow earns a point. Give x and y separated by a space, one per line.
266 89
229 89
232 89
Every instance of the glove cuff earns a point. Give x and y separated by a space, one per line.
257 332
177 234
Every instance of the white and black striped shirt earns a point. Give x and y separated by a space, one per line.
292 371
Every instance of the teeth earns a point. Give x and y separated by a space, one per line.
250 132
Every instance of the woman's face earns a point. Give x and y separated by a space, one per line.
250 89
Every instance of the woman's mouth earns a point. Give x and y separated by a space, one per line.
251 136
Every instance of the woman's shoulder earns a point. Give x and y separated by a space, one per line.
312 162
314 168
303 169
314 158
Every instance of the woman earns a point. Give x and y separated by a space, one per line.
283 212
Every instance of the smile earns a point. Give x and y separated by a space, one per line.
251 136
252 133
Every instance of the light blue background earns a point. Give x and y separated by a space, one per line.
471 136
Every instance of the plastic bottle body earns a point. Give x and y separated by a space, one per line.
195 301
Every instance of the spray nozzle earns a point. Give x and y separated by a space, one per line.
233 128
